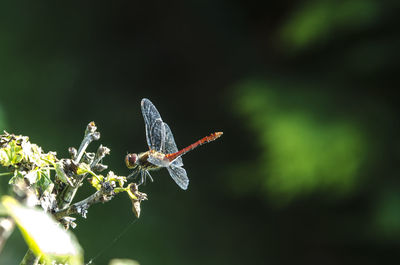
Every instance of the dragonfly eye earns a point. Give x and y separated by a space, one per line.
130 160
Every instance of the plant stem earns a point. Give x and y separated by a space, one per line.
68 194
75 208
90 135
82 206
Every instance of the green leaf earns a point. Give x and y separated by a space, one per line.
61 174
43 180
11 155
44 236
96 180
83 169
17 175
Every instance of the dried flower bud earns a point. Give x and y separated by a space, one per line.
70 167
68 221
136 208
99 167
72 151
88 158
102 151
91 128
108 187
96 136
136 199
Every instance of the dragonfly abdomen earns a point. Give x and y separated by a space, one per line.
204 140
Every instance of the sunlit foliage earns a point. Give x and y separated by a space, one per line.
301 151
319 21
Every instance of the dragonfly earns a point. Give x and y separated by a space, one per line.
163 152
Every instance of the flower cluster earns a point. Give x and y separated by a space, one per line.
56 181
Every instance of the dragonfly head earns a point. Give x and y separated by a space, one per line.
130 160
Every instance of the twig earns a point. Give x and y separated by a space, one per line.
102 151
68 194
90 135
81 207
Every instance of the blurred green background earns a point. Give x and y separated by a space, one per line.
307 171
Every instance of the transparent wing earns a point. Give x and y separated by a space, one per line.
157 136
155 131
179 175
170 146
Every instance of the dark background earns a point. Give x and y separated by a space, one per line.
305 92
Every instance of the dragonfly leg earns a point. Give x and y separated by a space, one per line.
132 175
148 174
141 177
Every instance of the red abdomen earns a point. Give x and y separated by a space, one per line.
204 140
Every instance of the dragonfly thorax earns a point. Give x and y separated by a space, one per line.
157 155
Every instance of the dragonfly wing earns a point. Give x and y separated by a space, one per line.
170 146
157 136
155 131
179 175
